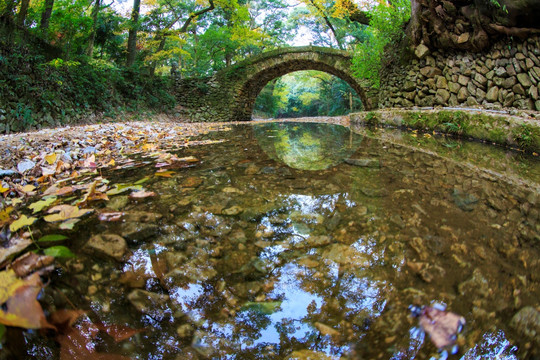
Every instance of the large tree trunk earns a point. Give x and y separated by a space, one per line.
471 25
23 11
132 37
46 16
92 38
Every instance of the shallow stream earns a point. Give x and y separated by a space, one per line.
310 241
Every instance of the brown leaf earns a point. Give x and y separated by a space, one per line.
192 182
442 326
29 263
22 308
14 246
119 332
110 216
90 162
64 319
141 194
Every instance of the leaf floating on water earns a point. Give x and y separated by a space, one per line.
54 190
442 326
59 252
110 216
40 205
14 246
118 332
31 262
65 212
266 308
18 297
121 188
21 222
167 174
68 224
141 194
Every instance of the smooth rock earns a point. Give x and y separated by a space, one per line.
524 80
110 245
421 51
527 323
493 94
149 303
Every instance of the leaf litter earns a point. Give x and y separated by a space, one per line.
54 176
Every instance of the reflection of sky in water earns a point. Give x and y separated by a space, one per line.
494 346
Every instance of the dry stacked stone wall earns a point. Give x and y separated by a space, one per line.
506 76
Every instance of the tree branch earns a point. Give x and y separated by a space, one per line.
194 15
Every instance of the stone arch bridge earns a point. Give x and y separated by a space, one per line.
230 94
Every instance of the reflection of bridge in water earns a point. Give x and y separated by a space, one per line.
230 94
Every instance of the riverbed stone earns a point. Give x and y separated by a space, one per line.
527 323
149 303
137 232
109 245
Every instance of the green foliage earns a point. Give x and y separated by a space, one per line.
385 27
35 93
372 118
527 137
306 93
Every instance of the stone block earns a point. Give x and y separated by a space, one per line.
533 92
518 89
430 71
524 80
481 79
464 80
421 51
463 94
441 82
493 94
508 82
442 96
453 87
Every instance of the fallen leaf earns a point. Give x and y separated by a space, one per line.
20 222
192 182
4 215
25 165
40 205
110 216
14 245
167 174
64 318
118 332
141 194
54 190
121 188
51 158
19 298
65 212
28 188
90 162
68 224
29 263
3 189
442 326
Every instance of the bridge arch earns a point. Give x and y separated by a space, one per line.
238 86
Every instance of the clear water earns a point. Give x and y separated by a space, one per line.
310 241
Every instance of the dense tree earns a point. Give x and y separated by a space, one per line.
132 37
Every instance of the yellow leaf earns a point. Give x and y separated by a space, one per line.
65 212
40 205
111 163
19 297
28 188
51 158
148 147
167 174
20 222
15 201
4 215
3 189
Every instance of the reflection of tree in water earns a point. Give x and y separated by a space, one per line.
307 146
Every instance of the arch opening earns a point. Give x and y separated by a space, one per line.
273 68
306 93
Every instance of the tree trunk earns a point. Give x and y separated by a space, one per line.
471 25
132 37
9 8
46 16
160 48
92 38
23 11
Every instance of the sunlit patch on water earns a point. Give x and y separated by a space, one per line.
306 241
